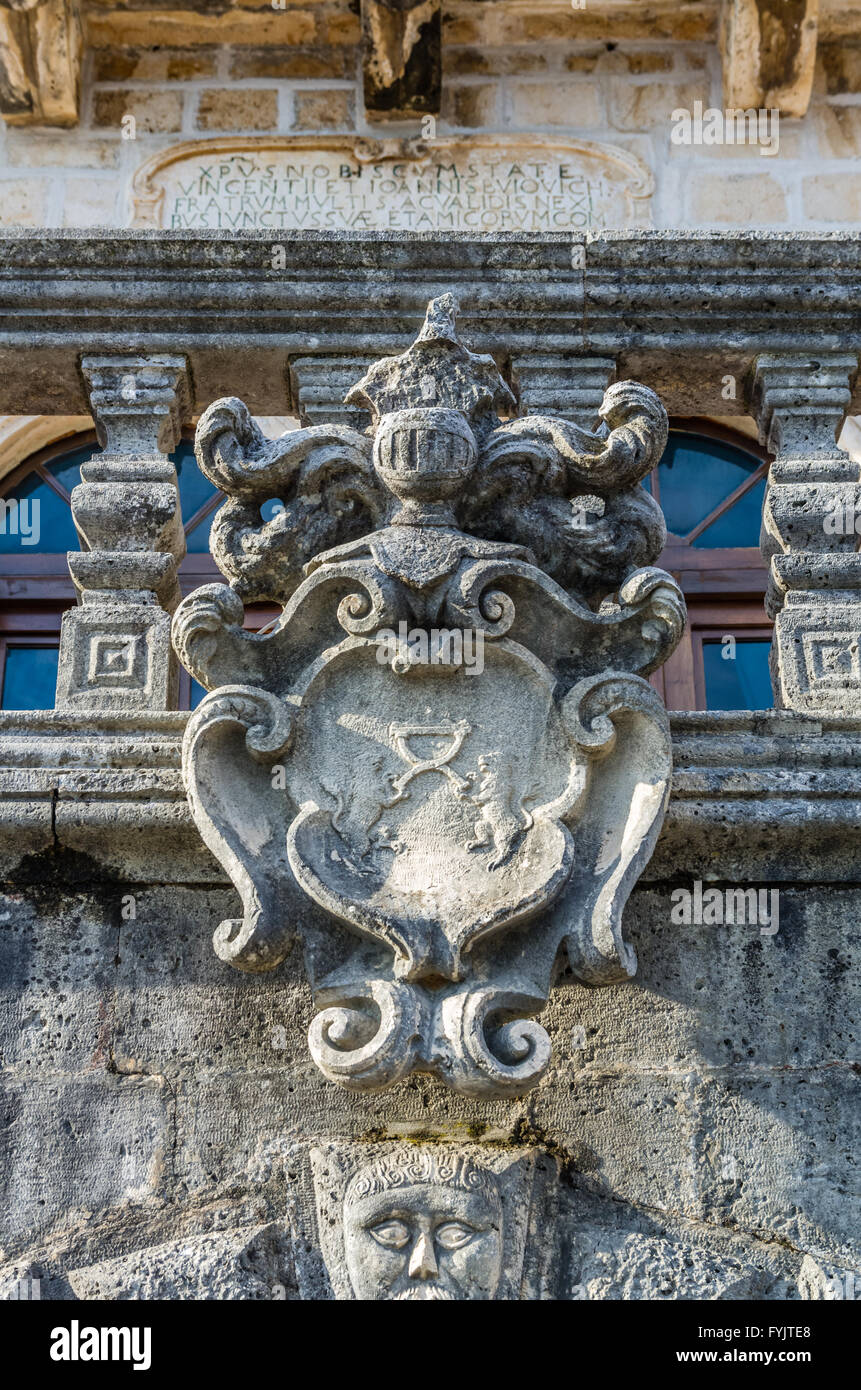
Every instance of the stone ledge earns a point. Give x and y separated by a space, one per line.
767 796
679 311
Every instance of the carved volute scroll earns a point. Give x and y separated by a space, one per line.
444 761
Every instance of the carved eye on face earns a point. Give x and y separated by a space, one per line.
392 1234
454 1234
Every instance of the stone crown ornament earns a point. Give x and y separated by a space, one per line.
442 765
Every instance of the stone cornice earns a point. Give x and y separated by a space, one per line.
679 310
764 797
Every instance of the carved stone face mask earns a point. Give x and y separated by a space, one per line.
424 1242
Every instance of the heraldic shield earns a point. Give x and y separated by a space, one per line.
443 767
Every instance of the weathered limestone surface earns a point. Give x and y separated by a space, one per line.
40 61
678 312
155 1148
808 531
769 53
401 57
708 1147
694 1132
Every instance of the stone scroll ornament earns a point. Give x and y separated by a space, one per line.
442 767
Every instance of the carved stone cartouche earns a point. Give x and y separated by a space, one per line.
443 762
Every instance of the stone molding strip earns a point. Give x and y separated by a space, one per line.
770 796
678 312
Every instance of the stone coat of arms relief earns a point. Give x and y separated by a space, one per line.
443 767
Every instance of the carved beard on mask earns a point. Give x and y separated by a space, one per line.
427 1293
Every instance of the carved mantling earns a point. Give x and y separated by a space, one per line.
443 765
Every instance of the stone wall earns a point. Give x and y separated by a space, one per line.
511 73
698 1124
701 1115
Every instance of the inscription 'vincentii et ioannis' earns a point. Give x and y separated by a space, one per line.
483 184
434 829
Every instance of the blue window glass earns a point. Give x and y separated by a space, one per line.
197 694
67 470
194 488
739 525
30 677
695 475
740 680
34 518
197 540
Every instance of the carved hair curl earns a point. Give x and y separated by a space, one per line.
422 1168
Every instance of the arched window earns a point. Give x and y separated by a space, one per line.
36 531
710 484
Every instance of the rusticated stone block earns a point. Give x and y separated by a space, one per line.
153 64
341 26
89 202
23 202
329 109
651 104
842 66
188 28
290 63
153 112
548 103
738 200
492 62
237 109
833 197
474 106
838 135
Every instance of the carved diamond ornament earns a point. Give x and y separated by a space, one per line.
443 762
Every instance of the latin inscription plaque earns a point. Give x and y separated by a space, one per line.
482 184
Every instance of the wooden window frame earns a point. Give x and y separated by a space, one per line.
720 571
724 586
15 639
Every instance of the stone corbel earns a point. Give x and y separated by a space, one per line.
402 57
768 48
564 384
318 386
808 531
115 648
40 62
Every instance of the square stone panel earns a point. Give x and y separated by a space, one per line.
118 656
